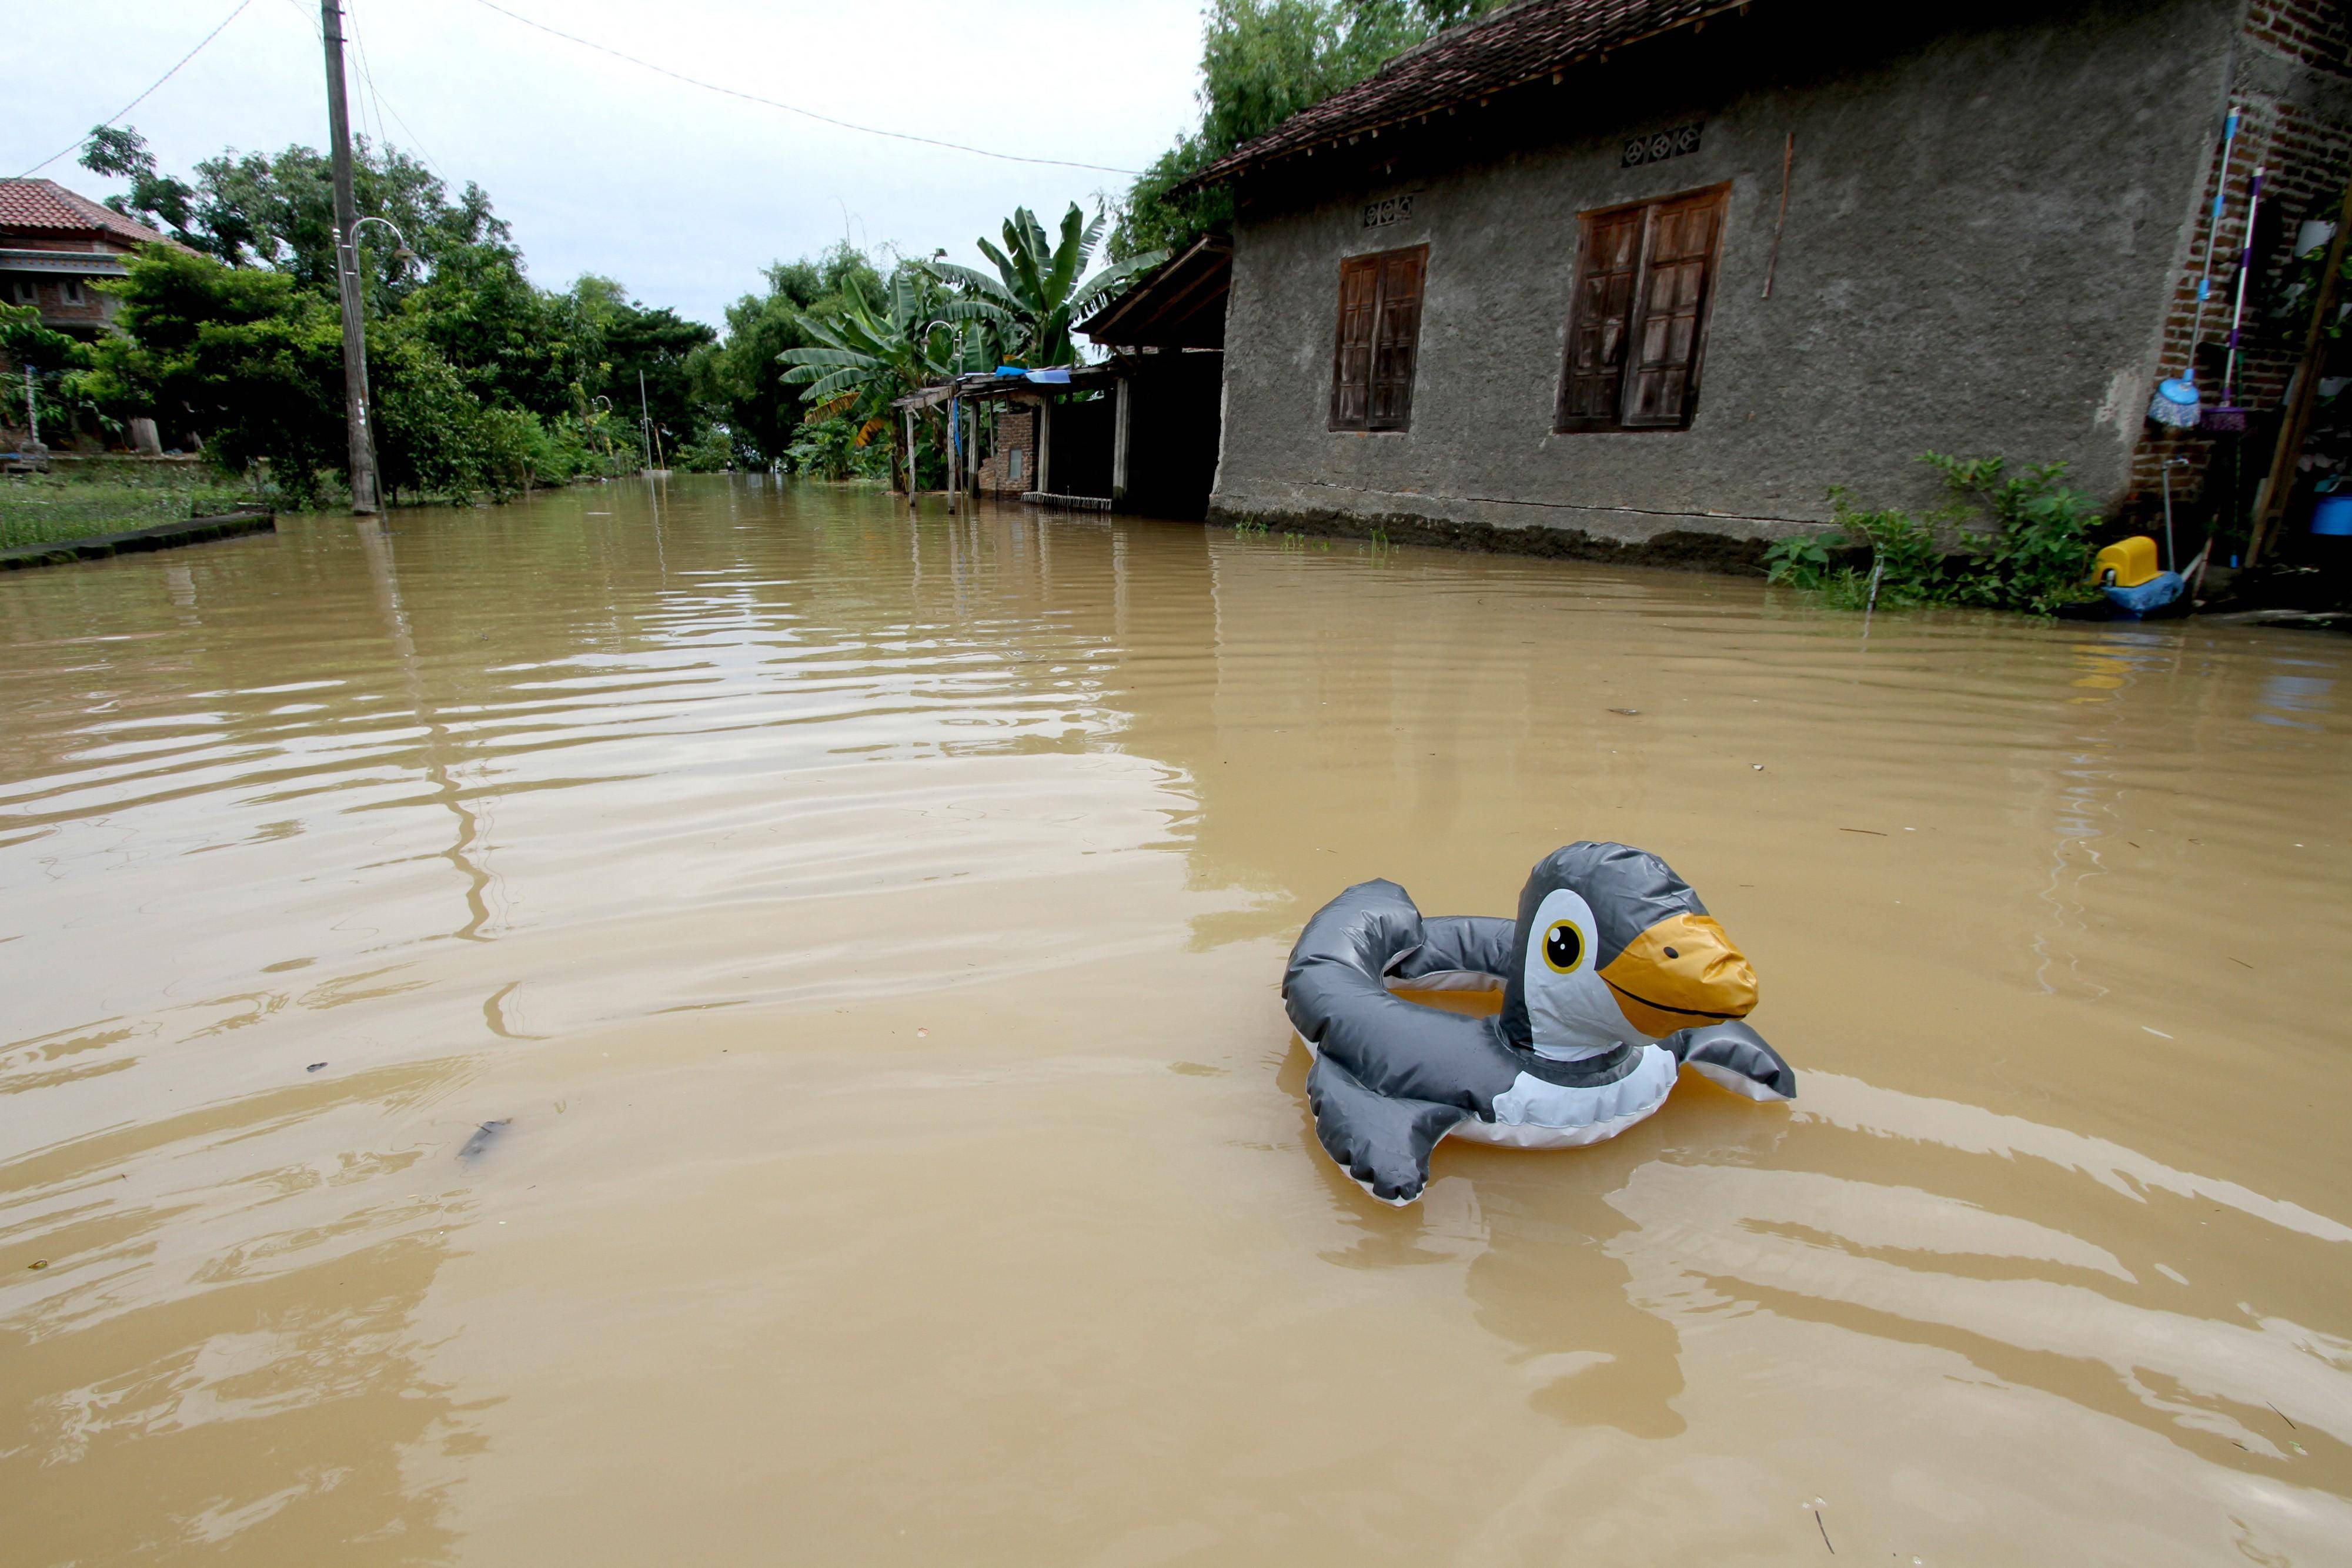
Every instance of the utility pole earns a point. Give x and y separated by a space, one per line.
347 268
645 422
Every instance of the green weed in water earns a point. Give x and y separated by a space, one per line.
2034 556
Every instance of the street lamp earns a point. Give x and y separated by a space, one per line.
601 398
403 255
364 498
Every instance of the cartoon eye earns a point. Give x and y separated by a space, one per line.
1563 947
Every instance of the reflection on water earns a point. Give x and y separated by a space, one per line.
861 936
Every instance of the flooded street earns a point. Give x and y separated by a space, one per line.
748 1031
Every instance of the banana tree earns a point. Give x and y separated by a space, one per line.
1038 292
867 357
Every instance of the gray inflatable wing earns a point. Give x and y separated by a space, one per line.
1391 1078
1734 1057
1382 1143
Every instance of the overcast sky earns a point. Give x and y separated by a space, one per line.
601 166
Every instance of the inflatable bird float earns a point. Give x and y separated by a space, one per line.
1613 977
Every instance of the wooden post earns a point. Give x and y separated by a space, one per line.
910 460
1045 446
1122 435
971 451
955 454
2278 488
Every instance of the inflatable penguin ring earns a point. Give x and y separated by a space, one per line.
1614 976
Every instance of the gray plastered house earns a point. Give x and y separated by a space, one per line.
1512 290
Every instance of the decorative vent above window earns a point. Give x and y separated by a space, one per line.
1660 145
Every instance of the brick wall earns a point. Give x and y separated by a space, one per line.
2307 158
2312 32
1015 447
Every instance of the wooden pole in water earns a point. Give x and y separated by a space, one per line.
955 454
644 421
910 460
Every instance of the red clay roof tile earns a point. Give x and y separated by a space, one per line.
48 205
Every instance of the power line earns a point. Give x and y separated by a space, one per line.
135 102
384 105
369 97
793 108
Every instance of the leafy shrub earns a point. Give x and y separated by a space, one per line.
836 448
2039 552
1904 557
2035 558
712 452
1801 560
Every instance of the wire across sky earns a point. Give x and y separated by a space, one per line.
793 108
628 59
237 11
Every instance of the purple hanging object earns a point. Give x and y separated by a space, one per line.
2230 415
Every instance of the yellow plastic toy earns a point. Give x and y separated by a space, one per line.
2127 563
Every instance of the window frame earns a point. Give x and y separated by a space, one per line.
1589 223
1376 314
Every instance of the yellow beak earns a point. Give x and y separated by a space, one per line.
1681 973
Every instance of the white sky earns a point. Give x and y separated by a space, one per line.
601 166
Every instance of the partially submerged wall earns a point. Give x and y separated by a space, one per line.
1983 227
1010 465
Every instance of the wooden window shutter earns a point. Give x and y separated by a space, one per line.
1637 315
1664 375
1351 367
1609 258
1378 340
1396 338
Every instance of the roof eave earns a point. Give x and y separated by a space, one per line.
1241 162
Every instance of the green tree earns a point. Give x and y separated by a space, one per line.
54 360
1038 292
656 344
250 360
278 211
868 355
1262 61
154 198
742 379
253 362
515 345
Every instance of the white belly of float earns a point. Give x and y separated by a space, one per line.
1534 1115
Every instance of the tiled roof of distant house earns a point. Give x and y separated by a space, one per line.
1506 48
46 205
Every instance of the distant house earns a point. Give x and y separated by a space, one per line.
1593 276
54 244
1135 432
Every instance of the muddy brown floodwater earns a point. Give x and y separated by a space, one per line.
747 1032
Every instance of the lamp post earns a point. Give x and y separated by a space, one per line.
594 409
402 255
365 496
